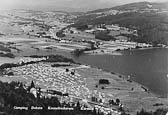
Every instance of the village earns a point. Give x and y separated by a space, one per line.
72 36
43 26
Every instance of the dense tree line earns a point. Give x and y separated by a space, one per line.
50 58
104 36
9 55
15 95
78 52
60 65
54 58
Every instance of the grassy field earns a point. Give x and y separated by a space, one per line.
133 100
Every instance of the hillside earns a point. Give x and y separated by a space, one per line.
138 6
149 19
142 6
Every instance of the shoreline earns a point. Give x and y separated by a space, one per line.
124 77
120 87
121 76
141 94
106 53
118 53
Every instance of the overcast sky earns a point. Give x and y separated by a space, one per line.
65 5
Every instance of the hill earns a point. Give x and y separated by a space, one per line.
149 19
142 6
134 6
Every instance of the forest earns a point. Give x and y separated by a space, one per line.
15 94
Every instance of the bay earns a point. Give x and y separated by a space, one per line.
148 67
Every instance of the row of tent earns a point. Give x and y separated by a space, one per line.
54 92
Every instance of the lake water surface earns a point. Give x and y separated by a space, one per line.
148 67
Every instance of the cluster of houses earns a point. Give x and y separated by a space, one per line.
122 45
104 27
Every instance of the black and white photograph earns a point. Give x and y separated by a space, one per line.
83 57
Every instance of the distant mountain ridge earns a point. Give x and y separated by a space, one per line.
142 5
150 20
135 6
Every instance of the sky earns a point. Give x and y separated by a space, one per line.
65 5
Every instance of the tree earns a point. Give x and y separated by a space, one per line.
78 52
104 37
117 101
94 111
67 70
82 26
60 34
78 107
32 84
111 102
72 73
104 81
10 74
96 86
92 46
102 87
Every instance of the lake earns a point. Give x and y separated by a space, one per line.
148 67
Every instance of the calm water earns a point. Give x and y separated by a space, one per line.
148 67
